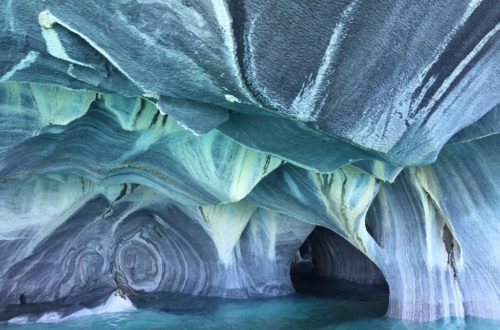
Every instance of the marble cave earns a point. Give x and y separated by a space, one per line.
193 147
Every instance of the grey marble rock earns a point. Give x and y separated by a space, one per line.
131 237
198 117
316 63
438 243
489 124
192 147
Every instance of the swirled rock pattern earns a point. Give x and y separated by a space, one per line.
192 146
133 237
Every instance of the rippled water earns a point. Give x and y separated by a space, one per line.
326 305
290 313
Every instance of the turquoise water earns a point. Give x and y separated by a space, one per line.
287 313
321 305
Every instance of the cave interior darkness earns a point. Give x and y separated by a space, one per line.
328 266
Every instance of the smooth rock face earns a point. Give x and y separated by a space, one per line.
192 147
440 245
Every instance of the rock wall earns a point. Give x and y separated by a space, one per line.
132 237
192 146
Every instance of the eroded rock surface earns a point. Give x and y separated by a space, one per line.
192 147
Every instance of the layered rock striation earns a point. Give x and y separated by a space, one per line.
193 146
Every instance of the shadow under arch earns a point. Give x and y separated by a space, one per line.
327 265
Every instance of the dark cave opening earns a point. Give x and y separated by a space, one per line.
328 266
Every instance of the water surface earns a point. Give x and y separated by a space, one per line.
324 305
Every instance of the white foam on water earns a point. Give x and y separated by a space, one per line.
114 304
19 320
51 317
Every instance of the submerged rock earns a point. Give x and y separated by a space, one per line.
193 146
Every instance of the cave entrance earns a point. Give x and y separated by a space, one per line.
327 265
